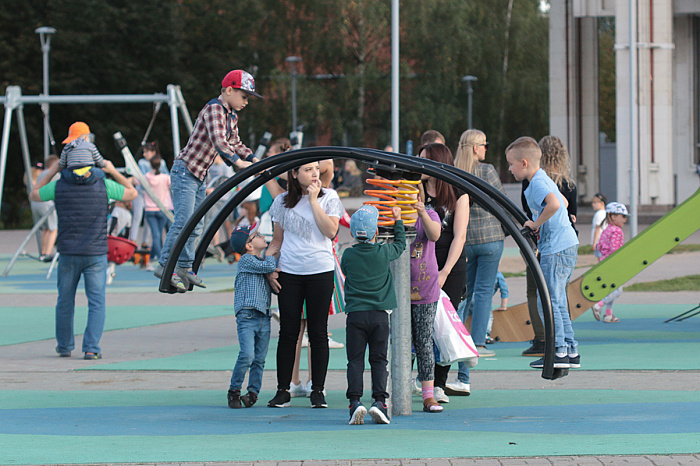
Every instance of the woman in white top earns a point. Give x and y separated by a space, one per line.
598 224
305 220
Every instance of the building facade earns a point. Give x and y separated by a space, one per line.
664 88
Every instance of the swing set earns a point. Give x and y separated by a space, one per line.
14 103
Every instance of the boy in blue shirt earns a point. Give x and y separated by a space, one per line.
252 307
369 297
558 243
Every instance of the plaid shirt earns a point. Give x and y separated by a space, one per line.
252 290
215 133
484 227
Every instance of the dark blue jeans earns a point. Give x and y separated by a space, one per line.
93 269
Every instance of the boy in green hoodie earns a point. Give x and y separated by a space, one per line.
369 299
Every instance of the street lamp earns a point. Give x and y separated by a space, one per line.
293 68
45 39
469 79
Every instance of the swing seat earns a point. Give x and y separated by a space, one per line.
120 249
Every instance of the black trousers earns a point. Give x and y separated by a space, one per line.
367 328
316 290
455 287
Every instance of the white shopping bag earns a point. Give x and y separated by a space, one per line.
452 339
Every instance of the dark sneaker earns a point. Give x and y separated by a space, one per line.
249 399
63 353
379 413
188 276
536 350
560 362
357 413
92 356
234 399
575 361
281 400
158 272
317 399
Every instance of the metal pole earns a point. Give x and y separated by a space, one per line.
401 335
293 68
470 92
45 39
395 74
634 170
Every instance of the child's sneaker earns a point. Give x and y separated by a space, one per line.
610 319
379 413
575 361
281 400
317 399
560 362
597 307
416 387
234 399
440 396
249 399
298 390
357 413
188 276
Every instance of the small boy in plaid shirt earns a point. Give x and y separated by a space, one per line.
252 307
215 133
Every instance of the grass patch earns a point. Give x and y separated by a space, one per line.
513 274
687 283
587 249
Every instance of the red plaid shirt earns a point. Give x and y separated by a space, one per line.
215 133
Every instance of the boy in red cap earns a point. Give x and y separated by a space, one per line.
79 151
215 133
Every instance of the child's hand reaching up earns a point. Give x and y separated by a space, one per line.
396 211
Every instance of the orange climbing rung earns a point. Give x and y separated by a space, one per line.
393 193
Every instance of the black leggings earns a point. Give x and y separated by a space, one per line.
316 290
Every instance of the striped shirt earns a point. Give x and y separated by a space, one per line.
252 290
215 133
80 153
483 226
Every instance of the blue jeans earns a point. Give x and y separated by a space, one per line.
482 267
157 222
557 269
254 338
188 192
94 272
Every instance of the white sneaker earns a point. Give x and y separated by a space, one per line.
416 387
305 341
150 267
458 388
308 389
440 396
335 344
297 390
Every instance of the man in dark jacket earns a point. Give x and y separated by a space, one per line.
82 197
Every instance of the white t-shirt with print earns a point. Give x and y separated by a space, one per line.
305 250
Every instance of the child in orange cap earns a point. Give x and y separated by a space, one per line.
79 151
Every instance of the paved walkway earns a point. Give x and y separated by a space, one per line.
32 366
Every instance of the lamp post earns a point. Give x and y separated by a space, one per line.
45 39
469 79
293 69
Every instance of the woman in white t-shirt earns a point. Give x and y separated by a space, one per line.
305 220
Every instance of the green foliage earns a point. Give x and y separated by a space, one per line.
123 47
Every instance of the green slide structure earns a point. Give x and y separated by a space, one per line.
635 256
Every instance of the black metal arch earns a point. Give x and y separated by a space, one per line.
481 192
